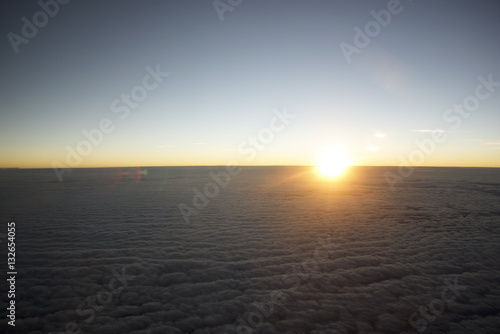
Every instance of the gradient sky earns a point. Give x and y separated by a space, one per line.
226 78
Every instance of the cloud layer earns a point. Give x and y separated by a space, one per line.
277 251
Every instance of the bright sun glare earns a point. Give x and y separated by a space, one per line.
332 162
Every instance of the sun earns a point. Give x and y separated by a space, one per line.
332 162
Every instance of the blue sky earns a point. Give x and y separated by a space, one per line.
225 78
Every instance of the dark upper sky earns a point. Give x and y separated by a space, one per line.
225 78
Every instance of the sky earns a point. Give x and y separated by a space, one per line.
174 83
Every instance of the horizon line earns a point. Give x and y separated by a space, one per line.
224 165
